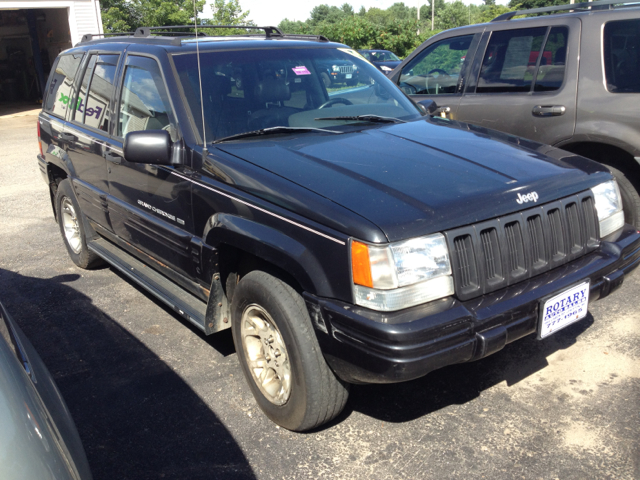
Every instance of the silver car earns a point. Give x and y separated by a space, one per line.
38 439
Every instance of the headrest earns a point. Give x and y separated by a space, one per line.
216 85
272 90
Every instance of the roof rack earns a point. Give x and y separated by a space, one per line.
598 5
87 37
170 35
148 31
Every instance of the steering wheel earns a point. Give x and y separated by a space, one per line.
438 70
333 101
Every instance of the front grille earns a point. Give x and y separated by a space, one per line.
346 69
497 253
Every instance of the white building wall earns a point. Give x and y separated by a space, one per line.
84 15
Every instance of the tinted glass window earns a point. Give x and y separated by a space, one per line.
621 57
59 94
510 60
94 109
436 70
554 57
144 103
286 87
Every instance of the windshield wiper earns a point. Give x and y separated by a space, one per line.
267 131
367 118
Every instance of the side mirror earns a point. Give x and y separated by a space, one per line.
428 106
148 146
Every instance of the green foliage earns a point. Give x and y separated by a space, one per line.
127 15
454 14
528 4
489 12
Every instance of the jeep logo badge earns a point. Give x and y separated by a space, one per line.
529 197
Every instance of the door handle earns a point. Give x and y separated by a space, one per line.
113 158
549 110
67 137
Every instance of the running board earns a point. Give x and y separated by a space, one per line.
183 302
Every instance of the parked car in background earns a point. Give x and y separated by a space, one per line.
38 439
384 60
570 79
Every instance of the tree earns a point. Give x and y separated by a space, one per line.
454 14
229 13
489 12
123 15
528 4
325 13
489 2
362 12
347 9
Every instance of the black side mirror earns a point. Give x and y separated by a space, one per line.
148 146
428 106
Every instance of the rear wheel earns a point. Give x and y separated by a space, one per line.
280 356
72 227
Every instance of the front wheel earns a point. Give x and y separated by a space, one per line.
280 356
72 227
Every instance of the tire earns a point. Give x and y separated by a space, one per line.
72 227
280 356
325 79
630 197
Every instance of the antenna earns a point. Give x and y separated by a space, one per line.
204 131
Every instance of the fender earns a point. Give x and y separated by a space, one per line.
270 245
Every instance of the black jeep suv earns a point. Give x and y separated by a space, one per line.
344 237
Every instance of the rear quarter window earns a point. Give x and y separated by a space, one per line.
59 93
621 57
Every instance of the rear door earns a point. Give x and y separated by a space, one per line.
525 81
88 133
150 208
438 72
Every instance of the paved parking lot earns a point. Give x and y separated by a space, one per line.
154 398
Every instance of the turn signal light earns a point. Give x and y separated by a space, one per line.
360 265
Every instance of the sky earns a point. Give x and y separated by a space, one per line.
267 13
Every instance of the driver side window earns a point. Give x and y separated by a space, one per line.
436 70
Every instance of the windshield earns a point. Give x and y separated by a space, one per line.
249 90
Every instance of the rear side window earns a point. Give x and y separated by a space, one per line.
94 108
59 94
621 57
510 60
554 58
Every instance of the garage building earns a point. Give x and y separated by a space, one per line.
32 33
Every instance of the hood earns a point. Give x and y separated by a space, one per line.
424 176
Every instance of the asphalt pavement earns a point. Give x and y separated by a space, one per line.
155 399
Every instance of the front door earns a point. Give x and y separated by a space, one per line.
526 85
150 208
438 72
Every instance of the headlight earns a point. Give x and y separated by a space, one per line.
609 207
401 274
384 68
335 68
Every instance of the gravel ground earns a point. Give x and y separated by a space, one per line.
154 398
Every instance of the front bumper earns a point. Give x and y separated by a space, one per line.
365 346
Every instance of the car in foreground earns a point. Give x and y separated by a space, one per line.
568 77
384 60
344 236
38 439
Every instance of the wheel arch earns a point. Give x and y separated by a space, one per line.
244 245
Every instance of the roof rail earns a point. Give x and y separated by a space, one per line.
598 5
87 37
148 31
